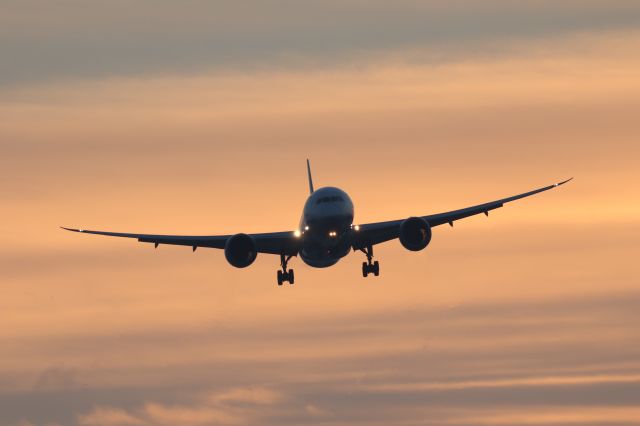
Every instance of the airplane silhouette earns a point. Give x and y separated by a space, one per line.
326 233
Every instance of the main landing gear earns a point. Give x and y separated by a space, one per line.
285 275
369 267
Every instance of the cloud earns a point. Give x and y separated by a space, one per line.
109 38
246 395
228 407
314 411
163 415
436 403
536 111
109 417
453 364
56 378
559 416
511 382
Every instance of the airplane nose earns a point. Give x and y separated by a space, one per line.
330 223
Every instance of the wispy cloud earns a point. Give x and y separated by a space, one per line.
230 407
109 38
471 360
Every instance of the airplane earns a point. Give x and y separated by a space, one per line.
326 233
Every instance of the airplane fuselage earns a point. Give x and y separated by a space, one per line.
326 227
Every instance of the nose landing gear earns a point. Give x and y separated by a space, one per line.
370 267
285 275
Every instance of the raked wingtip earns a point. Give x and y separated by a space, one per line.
71 229
564 181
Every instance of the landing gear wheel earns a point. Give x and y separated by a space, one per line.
369 267
285 275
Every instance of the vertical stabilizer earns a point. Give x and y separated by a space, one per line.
310 178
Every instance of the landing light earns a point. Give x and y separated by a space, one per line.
297 233
357 227
306 228
333 233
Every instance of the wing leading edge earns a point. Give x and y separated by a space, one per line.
376 233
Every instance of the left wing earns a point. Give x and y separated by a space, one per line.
376 233
272 243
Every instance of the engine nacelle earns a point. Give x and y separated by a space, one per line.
415 233
240 250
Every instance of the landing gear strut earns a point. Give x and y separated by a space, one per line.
285 275
369 267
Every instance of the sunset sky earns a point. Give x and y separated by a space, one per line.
196 117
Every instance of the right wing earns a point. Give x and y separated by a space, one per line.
376 233
271 243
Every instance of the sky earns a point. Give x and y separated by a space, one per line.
196 117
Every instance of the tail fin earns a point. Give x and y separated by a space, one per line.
310 179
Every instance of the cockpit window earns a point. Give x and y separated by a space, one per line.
333 199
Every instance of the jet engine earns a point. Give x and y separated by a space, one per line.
415 233
240 250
